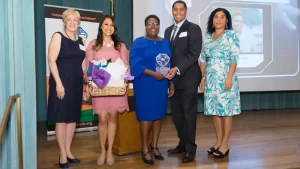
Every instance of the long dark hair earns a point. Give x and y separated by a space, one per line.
210 23
114 36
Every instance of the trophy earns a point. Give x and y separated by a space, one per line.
162 63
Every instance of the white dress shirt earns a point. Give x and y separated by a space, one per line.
178 27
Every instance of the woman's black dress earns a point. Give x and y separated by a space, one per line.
69 64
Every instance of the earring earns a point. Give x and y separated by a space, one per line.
213 26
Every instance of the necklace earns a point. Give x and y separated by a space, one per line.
69 37
153 40
108 44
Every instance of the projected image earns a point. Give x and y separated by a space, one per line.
254 32
248 26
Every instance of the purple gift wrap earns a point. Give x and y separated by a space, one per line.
128 77
100 77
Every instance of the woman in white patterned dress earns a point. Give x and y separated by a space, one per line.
220 83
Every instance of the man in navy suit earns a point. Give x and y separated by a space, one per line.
186 41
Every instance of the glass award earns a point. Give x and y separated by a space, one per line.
163 63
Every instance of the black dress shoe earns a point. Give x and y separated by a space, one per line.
63 165
219 154
147 161
188 158
74 160
212 150
176 150
159 157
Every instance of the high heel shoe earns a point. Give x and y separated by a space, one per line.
100 162
111 162
150 161
73 160
219 154
63 165
212 150
159 157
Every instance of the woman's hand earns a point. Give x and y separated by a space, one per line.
86 93
171 89
158 76
228 83
201 86
60 91
85 78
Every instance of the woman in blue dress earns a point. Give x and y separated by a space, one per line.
220 83
150 58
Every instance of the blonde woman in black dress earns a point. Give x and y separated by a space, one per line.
66 55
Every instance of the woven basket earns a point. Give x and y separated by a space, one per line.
107 91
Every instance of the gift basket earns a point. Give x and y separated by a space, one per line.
106 78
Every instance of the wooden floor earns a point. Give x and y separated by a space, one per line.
260 140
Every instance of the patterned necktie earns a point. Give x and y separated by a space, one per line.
173 36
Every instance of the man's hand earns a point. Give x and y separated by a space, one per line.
172 73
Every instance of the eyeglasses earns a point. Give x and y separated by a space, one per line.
149 24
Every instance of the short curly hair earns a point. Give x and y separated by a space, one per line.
152 16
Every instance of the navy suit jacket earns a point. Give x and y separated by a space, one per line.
185 54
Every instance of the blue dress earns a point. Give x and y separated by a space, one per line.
218 56
150 95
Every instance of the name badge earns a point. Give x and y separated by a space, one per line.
81 47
